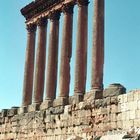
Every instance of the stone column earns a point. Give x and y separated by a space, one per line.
98 48
29 66
66 51
81 48
51 78
40 61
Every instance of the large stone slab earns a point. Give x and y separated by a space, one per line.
114 90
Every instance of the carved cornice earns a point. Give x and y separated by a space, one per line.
38 6
54 15
82 2
31 27
42 21
68 8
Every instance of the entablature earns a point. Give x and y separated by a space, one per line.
41 8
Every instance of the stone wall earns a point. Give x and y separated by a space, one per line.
88 119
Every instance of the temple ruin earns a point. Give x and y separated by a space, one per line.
85 115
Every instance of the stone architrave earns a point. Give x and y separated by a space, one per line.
51 73
66 51
40 61
98 47
81 48
29 66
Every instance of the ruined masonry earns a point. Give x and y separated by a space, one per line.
100 114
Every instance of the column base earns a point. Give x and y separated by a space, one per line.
46 104
60 101
34 107
23 109
97 93
77 98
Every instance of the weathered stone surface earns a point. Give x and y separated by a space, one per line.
101 119
33 107
114 90
22 110
75 99
4 112
46 104
60 101
13 111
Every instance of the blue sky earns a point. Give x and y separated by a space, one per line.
122 41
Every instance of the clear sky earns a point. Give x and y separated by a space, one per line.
122 41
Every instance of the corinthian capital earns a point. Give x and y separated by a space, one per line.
83 2
54 15
31 27
67 8
42 21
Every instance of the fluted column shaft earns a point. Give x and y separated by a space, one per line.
81 48
98 46
51 78
29 66
66 51
40 61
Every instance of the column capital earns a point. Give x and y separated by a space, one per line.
31 27
82 2
42 21
67 8
54 15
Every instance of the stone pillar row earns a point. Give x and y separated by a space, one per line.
37 87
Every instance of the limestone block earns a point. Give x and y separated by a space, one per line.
114 90
58 110
33 107
46 104
106 101
60 102
11 112
136 95
22 110
130 96
82 105
64 117
114 100
119 116
104 110
48 119
137 114
124 115
113 117
98 103
125 98
132 114
138 104
113 125
114 108
75 138
76 99
124 107
119 124
128 124
67 109
137 123
132 105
